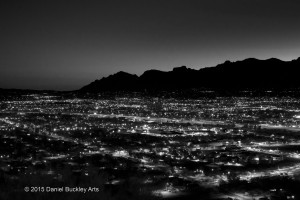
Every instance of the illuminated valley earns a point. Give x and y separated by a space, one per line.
170 147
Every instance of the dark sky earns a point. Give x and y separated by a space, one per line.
65 44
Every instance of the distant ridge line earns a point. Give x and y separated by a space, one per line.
251 73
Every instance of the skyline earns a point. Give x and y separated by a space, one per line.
63 45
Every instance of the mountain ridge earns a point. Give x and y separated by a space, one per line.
250 73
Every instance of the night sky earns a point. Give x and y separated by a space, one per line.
64 45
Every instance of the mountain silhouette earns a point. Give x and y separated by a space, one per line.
251 73
118 81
